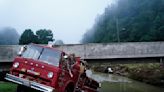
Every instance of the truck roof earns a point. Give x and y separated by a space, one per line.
45 46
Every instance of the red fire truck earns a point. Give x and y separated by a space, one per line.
46 69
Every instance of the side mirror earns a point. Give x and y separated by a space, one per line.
22 49
65 57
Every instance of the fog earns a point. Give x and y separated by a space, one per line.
9 36
68 19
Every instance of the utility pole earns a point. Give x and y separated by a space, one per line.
117 28
117 24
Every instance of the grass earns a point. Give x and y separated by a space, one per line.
151 73
146 65
7 87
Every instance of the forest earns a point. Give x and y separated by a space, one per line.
128 21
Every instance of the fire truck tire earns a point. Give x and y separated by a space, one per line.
21 88
69 88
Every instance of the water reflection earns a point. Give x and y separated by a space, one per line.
113 83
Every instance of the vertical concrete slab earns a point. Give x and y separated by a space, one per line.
77 49
8 52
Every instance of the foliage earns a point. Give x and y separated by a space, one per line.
135 20
42 36
28 37
8 36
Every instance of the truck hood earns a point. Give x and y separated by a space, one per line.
36 68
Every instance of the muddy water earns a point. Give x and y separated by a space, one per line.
113 83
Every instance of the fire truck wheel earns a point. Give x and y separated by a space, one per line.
21 88
69 88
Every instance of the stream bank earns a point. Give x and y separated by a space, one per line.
150 73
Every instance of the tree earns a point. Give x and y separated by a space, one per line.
44 36
141 19
8 36
28 37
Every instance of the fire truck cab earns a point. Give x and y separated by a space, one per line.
46 69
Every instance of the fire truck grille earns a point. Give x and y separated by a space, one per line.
32 78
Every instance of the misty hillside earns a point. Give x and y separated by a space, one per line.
129 21
8 36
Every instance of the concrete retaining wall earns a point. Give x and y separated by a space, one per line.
99 51
8 52
116 50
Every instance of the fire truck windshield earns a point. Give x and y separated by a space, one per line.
45 55
32 52
50 56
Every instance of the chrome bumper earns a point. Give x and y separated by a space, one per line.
28 83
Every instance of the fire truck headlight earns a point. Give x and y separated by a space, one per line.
50 74
15 65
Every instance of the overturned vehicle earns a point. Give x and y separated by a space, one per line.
46 69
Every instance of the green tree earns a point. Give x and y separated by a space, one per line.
28 37
134 20
44 36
